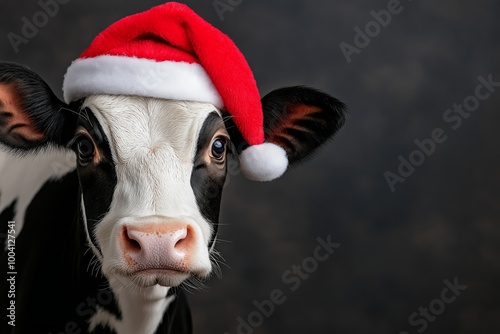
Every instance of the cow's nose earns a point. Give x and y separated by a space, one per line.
157 246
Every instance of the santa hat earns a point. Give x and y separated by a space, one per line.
170 52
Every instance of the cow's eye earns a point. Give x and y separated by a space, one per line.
218 151
85 150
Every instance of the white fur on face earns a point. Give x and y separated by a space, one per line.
153 144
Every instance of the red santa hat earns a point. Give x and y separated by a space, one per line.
170 52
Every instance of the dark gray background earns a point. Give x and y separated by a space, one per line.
396 247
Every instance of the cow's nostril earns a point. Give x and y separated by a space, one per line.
130 242
135 244
183 237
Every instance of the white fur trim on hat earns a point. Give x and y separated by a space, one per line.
264 162
120 75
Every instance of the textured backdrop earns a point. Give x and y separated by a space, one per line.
409 187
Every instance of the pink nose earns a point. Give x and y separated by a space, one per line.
157 246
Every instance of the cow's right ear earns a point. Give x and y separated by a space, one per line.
31 116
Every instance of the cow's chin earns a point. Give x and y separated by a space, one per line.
163 277
122 274
152 277
148 278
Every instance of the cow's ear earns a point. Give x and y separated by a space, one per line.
301 119
31 116
296 119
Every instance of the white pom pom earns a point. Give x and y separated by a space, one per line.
264 162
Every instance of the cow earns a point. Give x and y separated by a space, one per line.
114 199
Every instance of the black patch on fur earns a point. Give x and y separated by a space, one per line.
51 276
6 216
54 284
207 180
177 319
97 181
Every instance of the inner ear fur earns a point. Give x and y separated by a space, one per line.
30 113
299 119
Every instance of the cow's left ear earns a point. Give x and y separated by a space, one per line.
301 119
31 116
298 119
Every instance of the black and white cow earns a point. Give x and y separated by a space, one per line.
116 202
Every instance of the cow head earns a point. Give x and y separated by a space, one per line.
151 171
